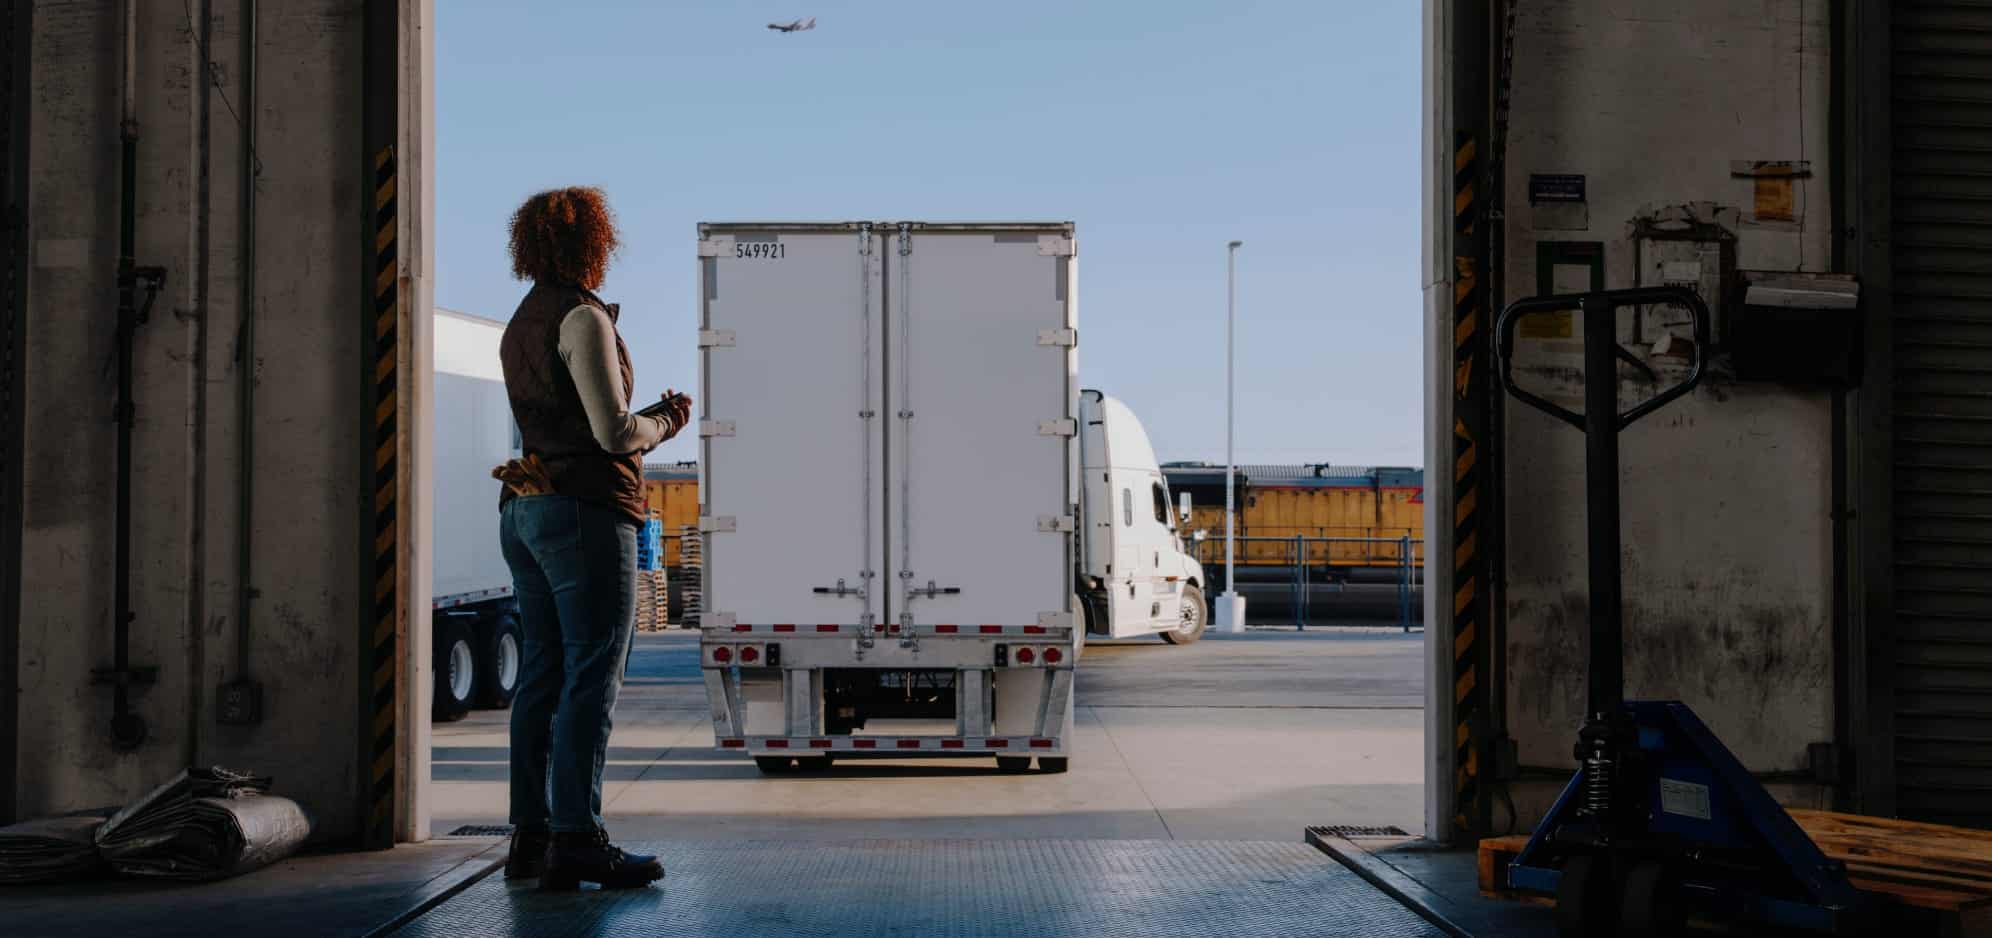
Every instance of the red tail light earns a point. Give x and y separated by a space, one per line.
749 654
1025 656
722 654
1053 656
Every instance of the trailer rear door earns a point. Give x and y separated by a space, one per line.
792 473
984 403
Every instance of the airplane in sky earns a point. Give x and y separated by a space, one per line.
795 27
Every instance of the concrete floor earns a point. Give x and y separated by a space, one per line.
1247 737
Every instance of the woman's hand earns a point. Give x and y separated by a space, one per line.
677 411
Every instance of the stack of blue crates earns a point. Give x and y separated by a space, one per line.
650 546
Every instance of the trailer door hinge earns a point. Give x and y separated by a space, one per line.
1057 247
1063 426
1050 523
1065 338
715 338
719 524
709 427
715 247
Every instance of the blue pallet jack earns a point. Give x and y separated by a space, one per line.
1660 821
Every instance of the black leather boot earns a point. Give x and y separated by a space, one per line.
528 857
588 857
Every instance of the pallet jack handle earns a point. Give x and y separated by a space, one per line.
1604 305
1601 422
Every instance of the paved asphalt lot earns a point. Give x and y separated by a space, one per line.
1247 737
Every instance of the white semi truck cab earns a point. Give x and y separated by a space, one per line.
1135 576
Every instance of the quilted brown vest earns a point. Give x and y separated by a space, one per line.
552 423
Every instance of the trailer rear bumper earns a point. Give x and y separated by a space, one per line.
795 709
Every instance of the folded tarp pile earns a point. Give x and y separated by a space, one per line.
203 824
50 849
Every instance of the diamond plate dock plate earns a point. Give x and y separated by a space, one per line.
958 888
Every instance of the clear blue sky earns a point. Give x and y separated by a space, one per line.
1164 129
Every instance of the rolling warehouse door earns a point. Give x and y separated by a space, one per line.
1942 416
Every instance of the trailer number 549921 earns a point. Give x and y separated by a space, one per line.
760 250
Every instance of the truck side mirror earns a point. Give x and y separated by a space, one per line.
1183 503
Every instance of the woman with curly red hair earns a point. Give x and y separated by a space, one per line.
569 518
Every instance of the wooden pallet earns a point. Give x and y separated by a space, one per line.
688 576
652 606
1928 870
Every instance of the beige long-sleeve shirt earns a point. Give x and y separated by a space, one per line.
588 347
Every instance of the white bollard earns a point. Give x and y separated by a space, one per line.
1231 613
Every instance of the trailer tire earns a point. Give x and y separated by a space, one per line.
500 657
1054 765
455 668
1012 765
775 765
1192 616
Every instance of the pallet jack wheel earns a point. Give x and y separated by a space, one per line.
1584 899
1649 906
775 765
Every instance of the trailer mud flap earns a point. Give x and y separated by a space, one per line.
725 701
1055 719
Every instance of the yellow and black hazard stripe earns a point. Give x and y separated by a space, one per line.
1469 429
384 659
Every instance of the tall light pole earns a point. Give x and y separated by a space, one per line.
1231 606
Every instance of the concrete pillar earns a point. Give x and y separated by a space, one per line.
305 521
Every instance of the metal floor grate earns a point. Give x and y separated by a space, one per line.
482 830
952 888
1341 830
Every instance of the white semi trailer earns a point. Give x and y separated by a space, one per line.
475 618
912 517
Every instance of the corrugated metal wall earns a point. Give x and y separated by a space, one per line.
1942 359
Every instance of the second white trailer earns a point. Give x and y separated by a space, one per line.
890 492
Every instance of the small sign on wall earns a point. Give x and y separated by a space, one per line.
1556 187
1558 202
1562 268
1774 183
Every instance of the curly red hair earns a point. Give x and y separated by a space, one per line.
564 235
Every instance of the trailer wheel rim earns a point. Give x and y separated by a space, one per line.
508 661
461 663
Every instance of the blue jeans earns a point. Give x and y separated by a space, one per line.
574 570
